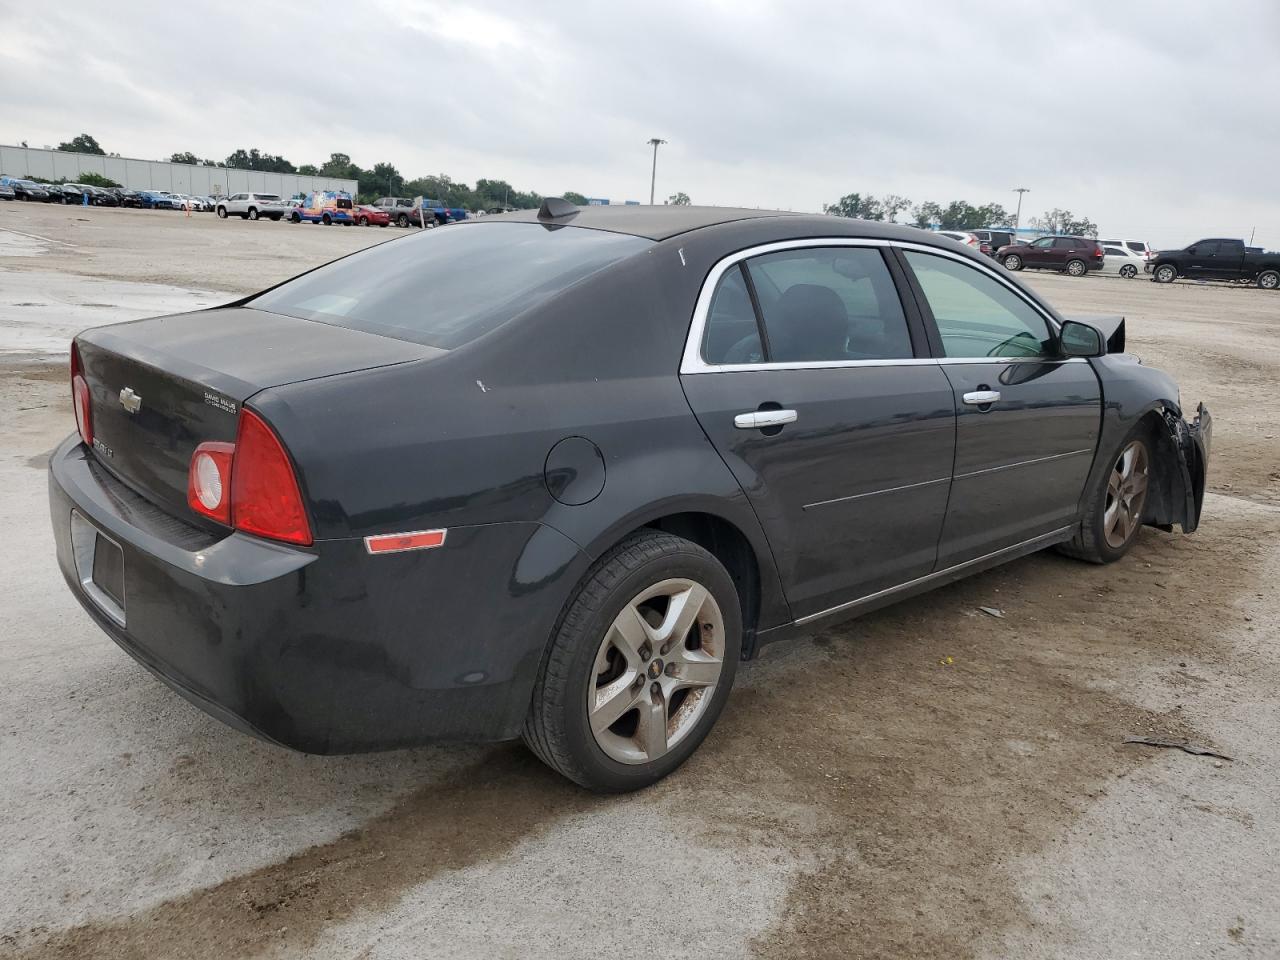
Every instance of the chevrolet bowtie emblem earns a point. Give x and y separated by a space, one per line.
130 400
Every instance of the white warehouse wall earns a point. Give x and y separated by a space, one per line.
160 175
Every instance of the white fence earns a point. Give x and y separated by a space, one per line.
160 175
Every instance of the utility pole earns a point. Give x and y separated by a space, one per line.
1017 217
653 179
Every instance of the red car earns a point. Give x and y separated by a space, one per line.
371 216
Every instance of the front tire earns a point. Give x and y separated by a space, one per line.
1013 262
327 220
295 217
639 667
1077 268
1165 273
222 213
1115 510
1269 279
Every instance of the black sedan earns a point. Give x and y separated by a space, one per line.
553 475
30 190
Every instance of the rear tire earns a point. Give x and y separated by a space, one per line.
402 220
364 221
1115 510
1128 271
609 708
1077 268
1269 279
1165 273
253 213
1012 262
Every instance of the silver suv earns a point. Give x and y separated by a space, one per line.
252 206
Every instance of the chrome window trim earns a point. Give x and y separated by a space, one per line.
691 362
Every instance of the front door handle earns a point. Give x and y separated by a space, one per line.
980 398
758 419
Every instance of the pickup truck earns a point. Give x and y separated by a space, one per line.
404 212
1218 259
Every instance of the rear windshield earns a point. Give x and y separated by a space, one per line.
447 287
267 196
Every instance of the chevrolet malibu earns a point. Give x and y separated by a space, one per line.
552 475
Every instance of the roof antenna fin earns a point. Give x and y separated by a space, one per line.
555 207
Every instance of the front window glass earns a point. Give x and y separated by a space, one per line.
1043 243
829 304
976 315
445 288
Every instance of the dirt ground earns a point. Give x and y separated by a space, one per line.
929 781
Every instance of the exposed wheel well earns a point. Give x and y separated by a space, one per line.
1166 494
727 544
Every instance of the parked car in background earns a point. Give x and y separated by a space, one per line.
330 515
326 207
961 236
402 211
157 200
7 192
127 198
1073 255
99 196
367 216
29 190
1218 259
994 239
252 206
1140 247
1122 261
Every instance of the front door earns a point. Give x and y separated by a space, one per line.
808 384
1040 253
1027 421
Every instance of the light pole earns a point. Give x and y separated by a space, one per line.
1017 217
653 179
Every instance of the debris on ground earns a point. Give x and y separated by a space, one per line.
1177 745
993 612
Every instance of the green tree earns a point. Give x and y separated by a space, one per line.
1058 220
309 170
382 181
926 214
993 215
83 144
856 206
959 215
576 198
892 204
187 157
254 159
680 199
97 180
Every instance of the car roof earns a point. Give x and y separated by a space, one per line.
652 222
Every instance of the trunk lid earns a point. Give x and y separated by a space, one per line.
160 387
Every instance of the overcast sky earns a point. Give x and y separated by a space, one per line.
1155 120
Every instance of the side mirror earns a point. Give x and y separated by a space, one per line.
1081 340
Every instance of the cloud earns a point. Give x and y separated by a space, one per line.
1151 120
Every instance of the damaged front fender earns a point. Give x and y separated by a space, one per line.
1183 455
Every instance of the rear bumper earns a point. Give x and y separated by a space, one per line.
325 650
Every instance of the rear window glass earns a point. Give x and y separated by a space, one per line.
447 287
1138 247
267 196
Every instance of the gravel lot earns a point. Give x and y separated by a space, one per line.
925 782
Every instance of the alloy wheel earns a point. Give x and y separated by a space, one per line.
1013 262
1076 268
656 671
1269 280
1129 271
1126 494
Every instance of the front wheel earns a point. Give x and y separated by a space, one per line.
1269 279
222 213
327 220
1077 268
639 667
1115 509
1165 273
1128 271
1013 262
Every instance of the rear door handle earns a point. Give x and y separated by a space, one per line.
981 398
764 418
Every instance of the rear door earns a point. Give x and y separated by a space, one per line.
811 380
1228 263
1027 421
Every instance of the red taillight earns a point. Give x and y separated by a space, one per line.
265 499
209 481
80 398
249 484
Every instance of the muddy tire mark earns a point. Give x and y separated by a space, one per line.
478 816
